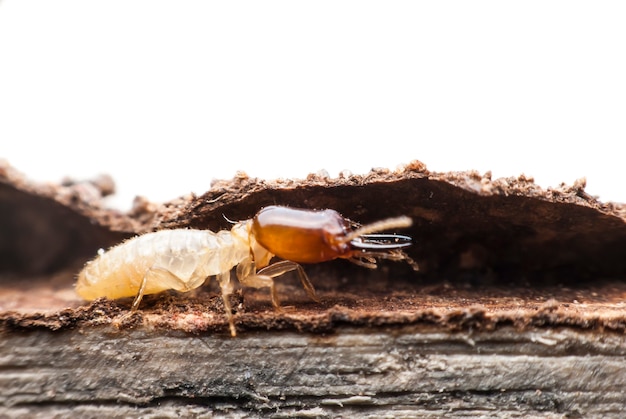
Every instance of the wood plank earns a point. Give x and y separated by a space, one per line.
402 371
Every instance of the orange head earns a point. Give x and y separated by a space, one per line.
307 236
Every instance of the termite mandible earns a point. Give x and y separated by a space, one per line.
182 259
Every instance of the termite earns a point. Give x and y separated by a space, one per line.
182 259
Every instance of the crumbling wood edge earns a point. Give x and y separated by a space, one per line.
410 371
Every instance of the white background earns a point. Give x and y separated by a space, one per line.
166 96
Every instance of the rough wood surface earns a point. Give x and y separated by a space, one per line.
382 372
518 309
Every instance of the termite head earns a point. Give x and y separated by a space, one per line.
306 236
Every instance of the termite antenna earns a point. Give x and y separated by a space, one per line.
389 223
229 220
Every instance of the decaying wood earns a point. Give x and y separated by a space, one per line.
518 309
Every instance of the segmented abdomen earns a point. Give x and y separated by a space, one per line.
191 255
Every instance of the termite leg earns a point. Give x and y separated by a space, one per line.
284 266
264 278
261 281
227 290
142 289
247 275
166 278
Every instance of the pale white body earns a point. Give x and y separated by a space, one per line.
174 259
182 260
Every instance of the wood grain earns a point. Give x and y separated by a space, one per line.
402 372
